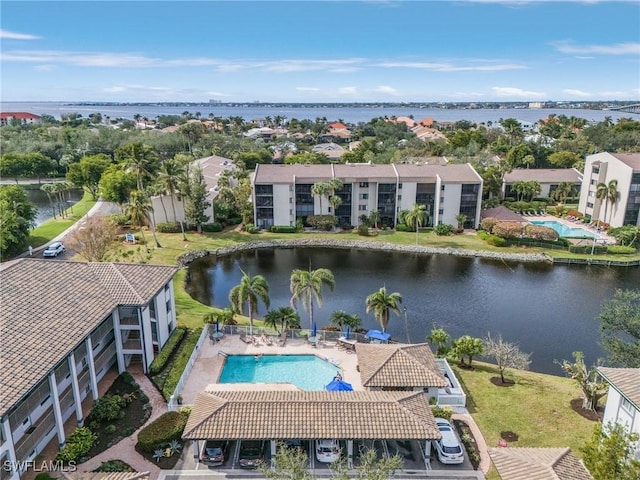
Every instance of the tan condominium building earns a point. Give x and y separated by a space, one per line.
601 169
282 194
63 326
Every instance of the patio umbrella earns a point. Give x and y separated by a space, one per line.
348 332
314 331
339 386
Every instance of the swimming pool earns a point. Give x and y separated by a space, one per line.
564 231
306 372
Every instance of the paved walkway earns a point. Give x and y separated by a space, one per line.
125 449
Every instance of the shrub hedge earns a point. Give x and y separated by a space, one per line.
180 362
283 229
169 426
211 227
621 250
442 412
168 228
78 445
402 227
163 356
598 249
443 229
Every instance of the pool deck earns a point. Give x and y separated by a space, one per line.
208 366
602 236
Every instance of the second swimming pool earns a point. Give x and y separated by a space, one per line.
306 372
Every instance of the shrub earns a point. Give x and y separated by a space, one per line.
107 408
544 200
167 427
443 229
234 221
251 228
621 250
442 412
180 362
114 466
496 241
402 227
283 229
322 222
598 249
78 444
488 223
508 229
540 233
127 378
163 356
110 429
120 219
168 228
482 235
212 227
363 230
458 231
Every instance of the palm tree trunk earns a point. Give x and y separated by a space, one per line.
416 231
153 229
250 320
164 209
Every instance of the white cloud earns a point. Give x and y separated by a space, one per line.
516 92
135 88
628 48
450 67
385 89
576 93
7 35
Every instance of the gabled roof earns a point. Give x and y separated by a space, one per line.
538 464
544 175
47 307
398 365
21 115
624 380
502 213
266 414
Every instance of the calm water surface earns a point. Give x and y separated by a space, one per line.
549 311
41 201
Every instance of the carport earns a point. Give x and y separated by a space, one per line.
282 415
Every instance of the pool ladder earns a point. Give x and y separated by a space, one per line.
222 354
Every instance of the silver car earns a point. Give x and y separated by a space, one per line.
53 250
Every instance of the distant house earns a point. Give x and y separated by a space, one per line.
331 150
24 117
548 178
623 399
428 134
211 168
538 463
602 168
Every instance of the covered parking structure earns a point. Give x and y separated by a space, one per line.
276 416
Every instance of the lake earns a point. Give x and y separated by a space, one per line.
41 201
550 311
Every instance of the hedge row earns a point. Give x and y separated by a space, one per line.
402 227
167 427
212 227
621 250
283 229
587 249
180 362
168 228
164 355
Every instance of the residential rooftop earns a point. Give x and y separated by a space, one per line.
544 175
625 380
538 464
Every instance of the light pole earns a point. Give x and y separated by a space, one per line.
406 325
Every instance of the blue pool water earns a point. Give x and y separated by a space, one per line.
564 231
306 372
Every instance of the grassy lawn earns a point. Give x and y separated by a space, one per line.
536 408
53 227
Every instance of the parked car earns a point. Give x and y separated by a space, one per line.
53 250
214 452
327 451
448 447
250 453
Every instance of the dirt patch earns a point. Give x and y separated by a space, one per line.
576 406
497 381
509 436
164 463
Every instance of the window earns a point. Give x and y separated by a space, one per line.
364 184
441 211
399 186
168 306
441 199
589 205
362 208
364 196
593 181
399 197
595 169
442 187
626 405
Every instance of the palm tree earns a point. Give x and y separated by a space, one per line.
169 178
49 189
306 285
382 303
344 319
417 217
613 195
140 159
139 208
283 317
607 192
321 189
374 218
248 292
563 190
461 218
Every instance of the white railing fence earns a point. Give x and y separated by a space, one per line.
173 403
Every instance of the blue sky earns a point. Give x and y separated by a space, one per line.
319 51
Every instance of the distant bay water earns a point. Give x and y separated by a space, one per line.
350 114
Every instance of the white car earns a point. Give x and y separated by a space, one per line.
448 447
53 250
327 451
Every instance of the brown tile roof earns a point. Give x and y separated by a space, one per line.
398 365
47 307
625 380
311 415
105 475
502 213
631 159
538 464
544 175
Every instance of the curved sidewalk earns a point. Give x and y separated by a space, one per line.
125 449
485 460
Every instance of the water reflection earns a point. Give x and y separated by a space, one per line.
549 310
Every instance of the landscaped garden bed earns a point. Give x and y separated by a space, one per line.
469 442
160 441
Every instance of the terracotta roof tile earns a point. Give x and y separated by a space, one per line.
625 380
538 464
105 475
398 365
311 415
47 307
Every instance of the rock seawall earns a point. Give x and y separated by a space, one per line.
187 258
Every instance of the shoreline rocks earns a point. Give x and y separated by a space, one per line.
187 258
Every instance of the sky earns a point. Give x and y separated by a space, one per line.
319 51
